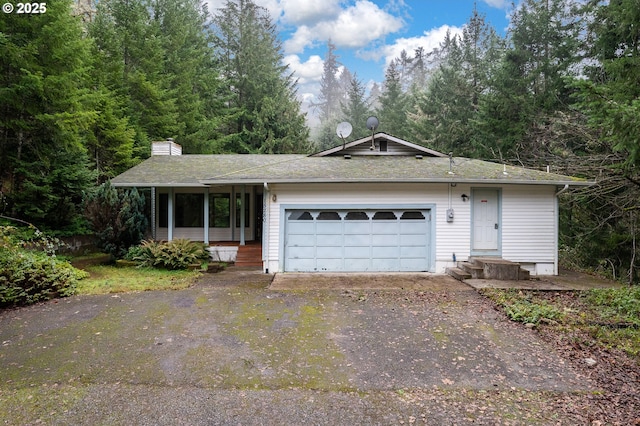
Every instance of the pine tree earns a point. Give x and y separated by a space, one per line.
44 110
258 88
356 110
393 104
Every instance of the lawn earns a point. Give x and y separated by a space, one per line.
105 279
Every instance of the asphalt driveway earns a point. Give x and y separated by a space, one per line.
231 350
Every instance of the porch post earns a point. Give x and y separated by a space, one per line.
206 216
153 212
242 207
170 215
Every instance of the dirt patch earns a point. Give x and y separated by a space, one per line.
367 281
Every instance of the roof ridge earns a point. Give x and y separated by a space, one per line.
297 157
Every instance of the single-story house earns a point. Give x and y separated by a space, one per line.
378 203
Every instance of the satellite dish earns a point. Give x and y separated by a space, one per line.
344 129
372 123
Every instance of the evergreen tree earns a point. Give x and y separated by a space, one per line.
44 110
393 104
356 110
263 113
131 55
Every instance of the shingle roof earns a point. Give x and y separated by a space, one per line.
203 170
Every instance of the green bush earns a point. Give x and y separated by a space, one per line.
28 276
176 254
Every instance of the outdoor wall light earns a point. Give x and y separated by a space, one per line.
274 198
465 197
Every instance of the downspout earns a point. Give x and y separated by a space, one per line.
266 205
556 268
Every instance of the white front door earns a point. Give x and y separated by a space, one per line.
486 226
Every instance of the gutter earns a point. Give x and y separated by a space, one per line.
266 205
566 187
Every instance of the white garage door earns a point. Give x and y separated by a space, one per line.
357 240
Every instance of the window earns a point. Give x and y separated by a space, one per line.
300 216
356 216
163 211
246 210
412 216
220 210
328 216
189 210
384 216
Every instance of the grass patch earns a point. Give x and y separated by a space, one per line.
105 279
610 317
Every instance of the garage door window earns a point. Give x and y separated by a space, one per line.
328 216
356 216
300 216
384 216
412 216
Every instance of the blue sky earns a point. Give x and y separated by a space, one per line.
368 33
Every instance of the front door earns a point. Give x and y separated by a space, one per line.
485 220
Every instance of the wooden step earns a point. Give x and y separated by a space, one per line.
249 255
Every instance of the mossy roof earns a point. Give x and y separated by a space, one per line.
203 170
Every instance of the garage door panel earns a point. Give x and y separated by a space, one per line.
300 227
328 227
385 240
357 240
329 240
357 252
328 253
357 265
386 265
384 227
413 265
413 240
384 252
300 265
413 251
353 227
329 265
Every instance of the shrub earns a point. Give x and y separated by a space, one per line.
176 254
29 276
117 218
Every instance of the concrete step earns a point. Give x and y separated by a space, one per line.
458 274
471 268
495 268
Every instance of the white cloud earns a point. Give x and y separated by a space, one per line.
309 12
354 27
429 40
306 72
498 4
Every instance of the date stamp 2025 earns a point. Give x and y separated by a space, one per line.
24 8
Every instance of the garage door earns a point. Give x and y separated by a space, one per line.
357 240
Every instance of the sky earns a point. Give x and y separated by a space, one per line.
368 34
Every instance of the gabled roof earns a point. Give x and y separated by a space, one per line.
365 146
205 170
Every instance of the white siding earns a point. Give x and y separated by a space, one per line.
529 224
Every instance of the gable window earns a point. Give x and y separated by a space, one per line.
220 210
189 210
383 146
